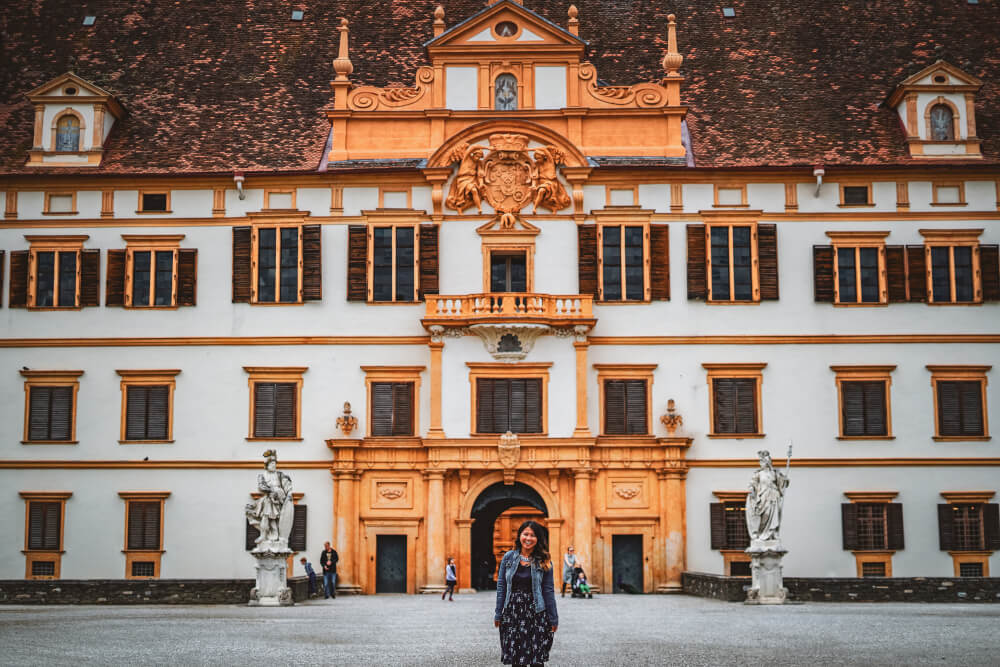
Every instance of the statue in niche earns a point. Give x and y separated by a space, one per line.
942 123
765 499
273 512
465 190
505 93
549 192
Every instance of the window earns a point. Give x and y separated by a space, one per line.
147 405
399 198
876 569
873 529
731 261
151 270
732 258
508 271
50 406
619 196
279 199
856 195
277 263
509 397
623 264
969 529
860 268
275 402
625 389
60 203
863 393
143 533
45 513
729 195
56 271
67 134
393 263
505 93
949 194
154 202
959 402
734 399
942 123
953 272
393 403
729 533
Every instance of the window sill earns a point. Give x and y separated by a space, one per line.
623 302
275 439
44 552
60 213
970 552
873 552
861 304
954 203
277 303
856 205
145 442
540 434
713 302
954 303
153 212
735 436
393 303
50 442
626 437
866 437
50 308
172 307
961 438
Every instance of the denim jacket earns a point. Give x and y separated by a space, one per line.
542 587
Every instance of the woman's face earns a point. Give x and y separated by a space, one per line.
528 539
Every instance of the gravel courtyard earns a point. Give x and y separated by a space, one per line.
422 630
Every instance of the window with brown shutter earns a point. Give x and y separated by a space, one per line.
859 268
428 260
953 266
392 408
51 406
143 525
45 513
275 402
729 526
587 259
297 538
989 268
863 397
242 249
969 528
872 529
625 407
147 405
60 273
44 525
393 262
734 397
623 249
144 535
739 260
508 404
357 263
276 273
959 402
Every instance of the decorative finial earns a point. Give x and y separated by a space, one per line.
347 422
438 20
671 421
574 23
672 61
342 65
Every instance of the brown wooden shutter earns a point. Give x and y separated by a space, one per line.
895 265
723 399
158 413
312 262
241 264
357 263
135 412
533 406
989 268
894 526
263 409
659 275
614 407
429 265
946 527
44 525
484 405
586 236
746 406
849 525
697 263
960 408
3 254
284 410
252 533
381 408
717 520
297 538
402 408
143 525
114 284
50 413
90 278
767 253
916 266
635 407
19 279
823 273
991 526
187 276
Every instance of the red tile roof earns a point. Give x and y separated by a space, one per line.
235 84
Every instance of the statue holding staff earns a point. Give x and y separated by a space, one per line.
273 511
765 498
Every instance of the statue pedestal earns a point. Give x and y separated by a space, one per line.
765 566
272 580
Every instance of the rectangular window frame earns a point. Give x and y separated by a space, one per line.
864 374
140 210
982 557
147 378
54 244
883 556
416 261
646 280
383 190
644 372
752 371
959 374
47 207
935 200
491 248
53 556
153 555
754 262
858 240
742 187
400 374
254 262
151 243
856 184
500 370
280 191
729 554
268 374
951 239
49 379
610 189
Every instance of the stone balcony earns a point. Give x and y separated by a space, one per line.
554 310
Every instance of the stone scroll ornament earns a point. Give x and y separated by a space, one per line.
507 175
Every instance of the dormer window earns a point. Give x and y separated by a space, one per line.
68 134
505 93
942 123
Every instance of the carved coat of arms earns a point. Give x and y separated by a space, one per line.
509 450
508 175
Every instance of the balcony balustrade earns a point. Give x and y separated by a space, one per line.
550 309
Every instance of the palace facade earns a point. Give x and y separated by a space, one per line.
499 261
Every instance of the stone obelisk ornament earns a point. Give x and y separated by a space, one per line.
271 512
765 499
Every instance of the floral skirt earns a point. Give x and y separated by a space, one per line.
525 634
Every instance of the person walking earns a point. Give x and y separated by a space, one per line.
569 563
450 578
328 563
311 574
526 599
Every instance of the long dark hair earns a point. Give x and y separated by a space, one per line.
541 552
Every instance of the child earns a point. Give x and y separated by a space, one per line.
312 576
582 587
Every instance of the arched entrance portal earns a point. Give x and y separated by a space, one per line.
496 513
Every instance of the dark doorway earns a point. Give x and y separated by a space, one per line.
626 563
493 502
390 563
508 272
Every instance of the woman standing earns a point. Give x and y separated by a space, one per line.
450 578
526 600
569 564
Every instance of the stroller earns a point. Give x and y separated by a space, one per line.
581 589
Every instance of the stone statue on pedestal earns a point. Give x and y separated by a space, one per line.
272 514
765 499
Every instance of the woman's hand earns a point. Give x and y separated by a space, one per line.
496 624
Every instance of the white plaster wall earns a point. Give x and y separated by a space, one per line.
554 246
422 199
252 202
30 205
314 200
655 196
594 197
811 522
190 204
359 199
766 196
697 197
88 203
550 87
462 91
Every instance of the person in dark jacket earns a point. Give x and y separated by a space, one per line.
328 563
526 599
311 574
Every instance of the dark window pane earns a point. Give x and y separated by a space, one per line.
508 404
140 278
164 278
869 275
518 273
50 413
143 568
970 569
735 405
404 264
742 265
871 526
856 194
941 273
45 278
967 525
625 407
737 535
44 519
43 568
963 273
289 264
143 525
612 270
846 277
154 202
720 263
634 289
266 249
146 412
382 264
498 272
67 279
960 408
